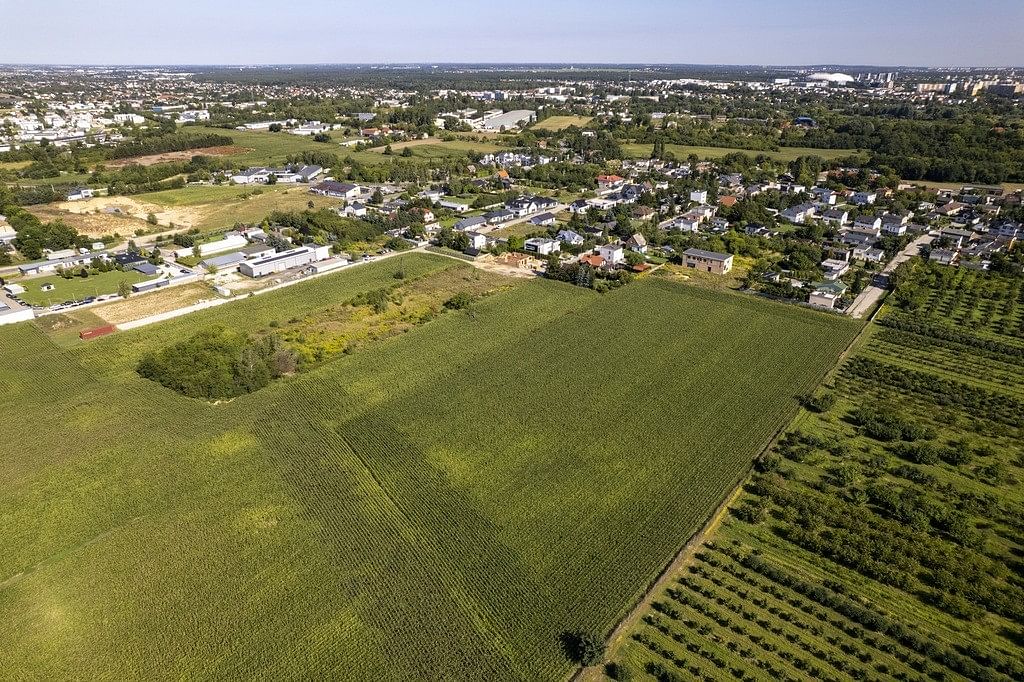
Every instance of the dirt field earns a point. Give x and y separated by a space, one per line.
137 307
186 155
92 224
108 214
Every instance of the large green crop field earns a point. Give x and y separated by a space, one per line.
881 536
438 504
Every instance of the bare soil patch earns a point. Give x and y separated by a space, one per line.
184 155
137 307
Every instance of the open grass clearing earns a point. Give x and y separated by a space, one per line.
75 288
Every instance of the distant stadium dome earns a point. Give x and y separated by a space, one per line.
831 77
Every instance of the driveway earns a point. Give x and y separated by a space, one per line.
867 298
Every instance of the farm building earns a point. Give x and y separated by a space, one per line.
55 263
340 190
304 255
709 261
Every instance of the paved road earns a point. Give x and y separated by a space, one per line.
867 298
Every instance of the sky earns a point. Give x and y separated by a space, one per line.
773 32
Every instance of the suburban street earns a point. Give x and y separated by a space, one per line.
871 294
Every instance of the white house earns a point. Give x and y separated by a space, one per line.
823 299
699 195
476 240
543 219
637 243
542 246
79 193
571 238
865 198
456 206
613 254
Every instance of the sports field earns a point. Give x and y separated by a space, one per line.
562 122
437 504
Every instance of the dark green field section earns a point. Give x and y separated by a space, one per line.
440 505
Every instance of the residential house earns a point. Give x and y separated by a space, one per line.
943 256
957 238
542 246
522 206
683 224
543 219
709 261
609 183
894 225
613 254
569 237
869 254
868 223
836 216
699 195
354 210
824 195
798 214
834 268
823 299
864 198
579 207
469 224
476 240
637 243
500 216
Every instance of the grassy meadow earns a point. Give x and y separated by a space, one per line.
76 288
511 472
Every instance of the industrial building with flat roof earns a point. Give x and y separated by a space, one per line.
304 255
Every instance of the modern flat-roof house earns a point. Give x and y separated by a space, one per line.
542 246
708 261
823 299
304 255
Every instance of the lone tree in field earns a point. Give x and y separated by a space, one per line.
584 648
124 289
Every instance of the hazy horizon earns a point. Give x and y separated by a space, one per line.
791 33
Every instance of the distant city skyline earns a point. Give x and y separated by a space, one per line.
934 33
